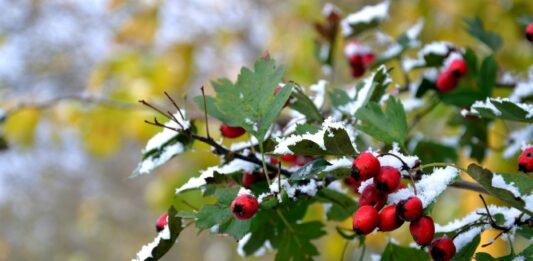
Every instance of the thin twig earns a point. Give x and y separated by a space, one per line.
205 113
175 105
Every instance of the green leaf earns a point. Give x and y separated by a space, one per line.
210 215
306 128
468 250
475 29
301 103
471 62
426 151
338 97
310 169
342 206
524 184
424 86
506 110
395 252
250 102
295 243
389 125
175 227
337 142
487 75
475 136
354 26
462 96
235 227
525 231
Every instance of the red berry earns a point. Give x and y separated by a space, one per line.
368 58
289 158
371 196
442 249
422 230
354 184
458 68
358 71
249 178
365 166
161 222
231 132
529 32
244 206
274 161
365 220
409 209
447 81
359 57
388 220
525 161
388 179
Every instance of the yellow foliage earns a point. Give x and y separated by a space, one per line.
20 127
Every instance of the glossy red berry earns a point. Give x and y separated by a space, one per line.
371 196
388 220
249 178
529 32
231 132
353 184
409 209
458 68
365 166
289 158
447 81
244 206
161 222
422 230
368 59
359 57
442 249
525 161
388 179
365 220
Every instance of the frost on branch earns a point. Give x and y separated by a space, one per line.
163 146
368 17
516 140
502 108
146 251
429 187
498 181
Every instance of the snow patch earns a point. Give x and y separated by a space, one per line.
146 250
366 15
499 182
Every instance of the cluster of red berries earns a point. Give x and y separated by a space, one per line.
525 161
374 197
359 56
450 77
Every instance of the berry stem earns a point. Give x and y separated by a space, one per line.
205 113
265 170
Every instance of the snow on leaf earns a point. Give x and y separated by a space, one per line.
503 108
521 90
368 17
429 187
310 188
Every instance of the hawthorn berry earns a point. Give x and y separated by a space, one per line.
249 178
388 220
359 57
525 161
231 132
458 68
244 206
289 158
409 209
422 230
442 249
446 81
354 184
365 220
529 32
388 179
161 222
372 196
365 166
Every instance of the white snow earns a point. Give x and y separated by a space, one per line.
244 191
521 90
150 163
409 64
337 186
428 188
284 142
340 163
466 237
260 252
233 166
499 182
165 135
452 57
388 160
329 9
311 188
365 184
320 91
437 48
411 104
356 48
488 104
519 258
146 250
366 15
413 32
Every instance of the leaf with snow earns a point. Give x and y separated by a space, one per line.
334 138
310 169
250 102
301 103
501 108
163 146
516 190
164 240
432 55
388 125
405 41
367 18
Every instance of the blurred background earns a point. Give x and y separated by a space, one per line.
71 130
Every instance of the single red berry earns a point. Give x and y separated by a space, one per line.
358 71
388 220
422 230
525 161
409 209
249 178
365 220
447 81
289 158
529 32
365 166
244 206
161 222
368 59
231 132
372 196
442 249
388 179
354 184
458 68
